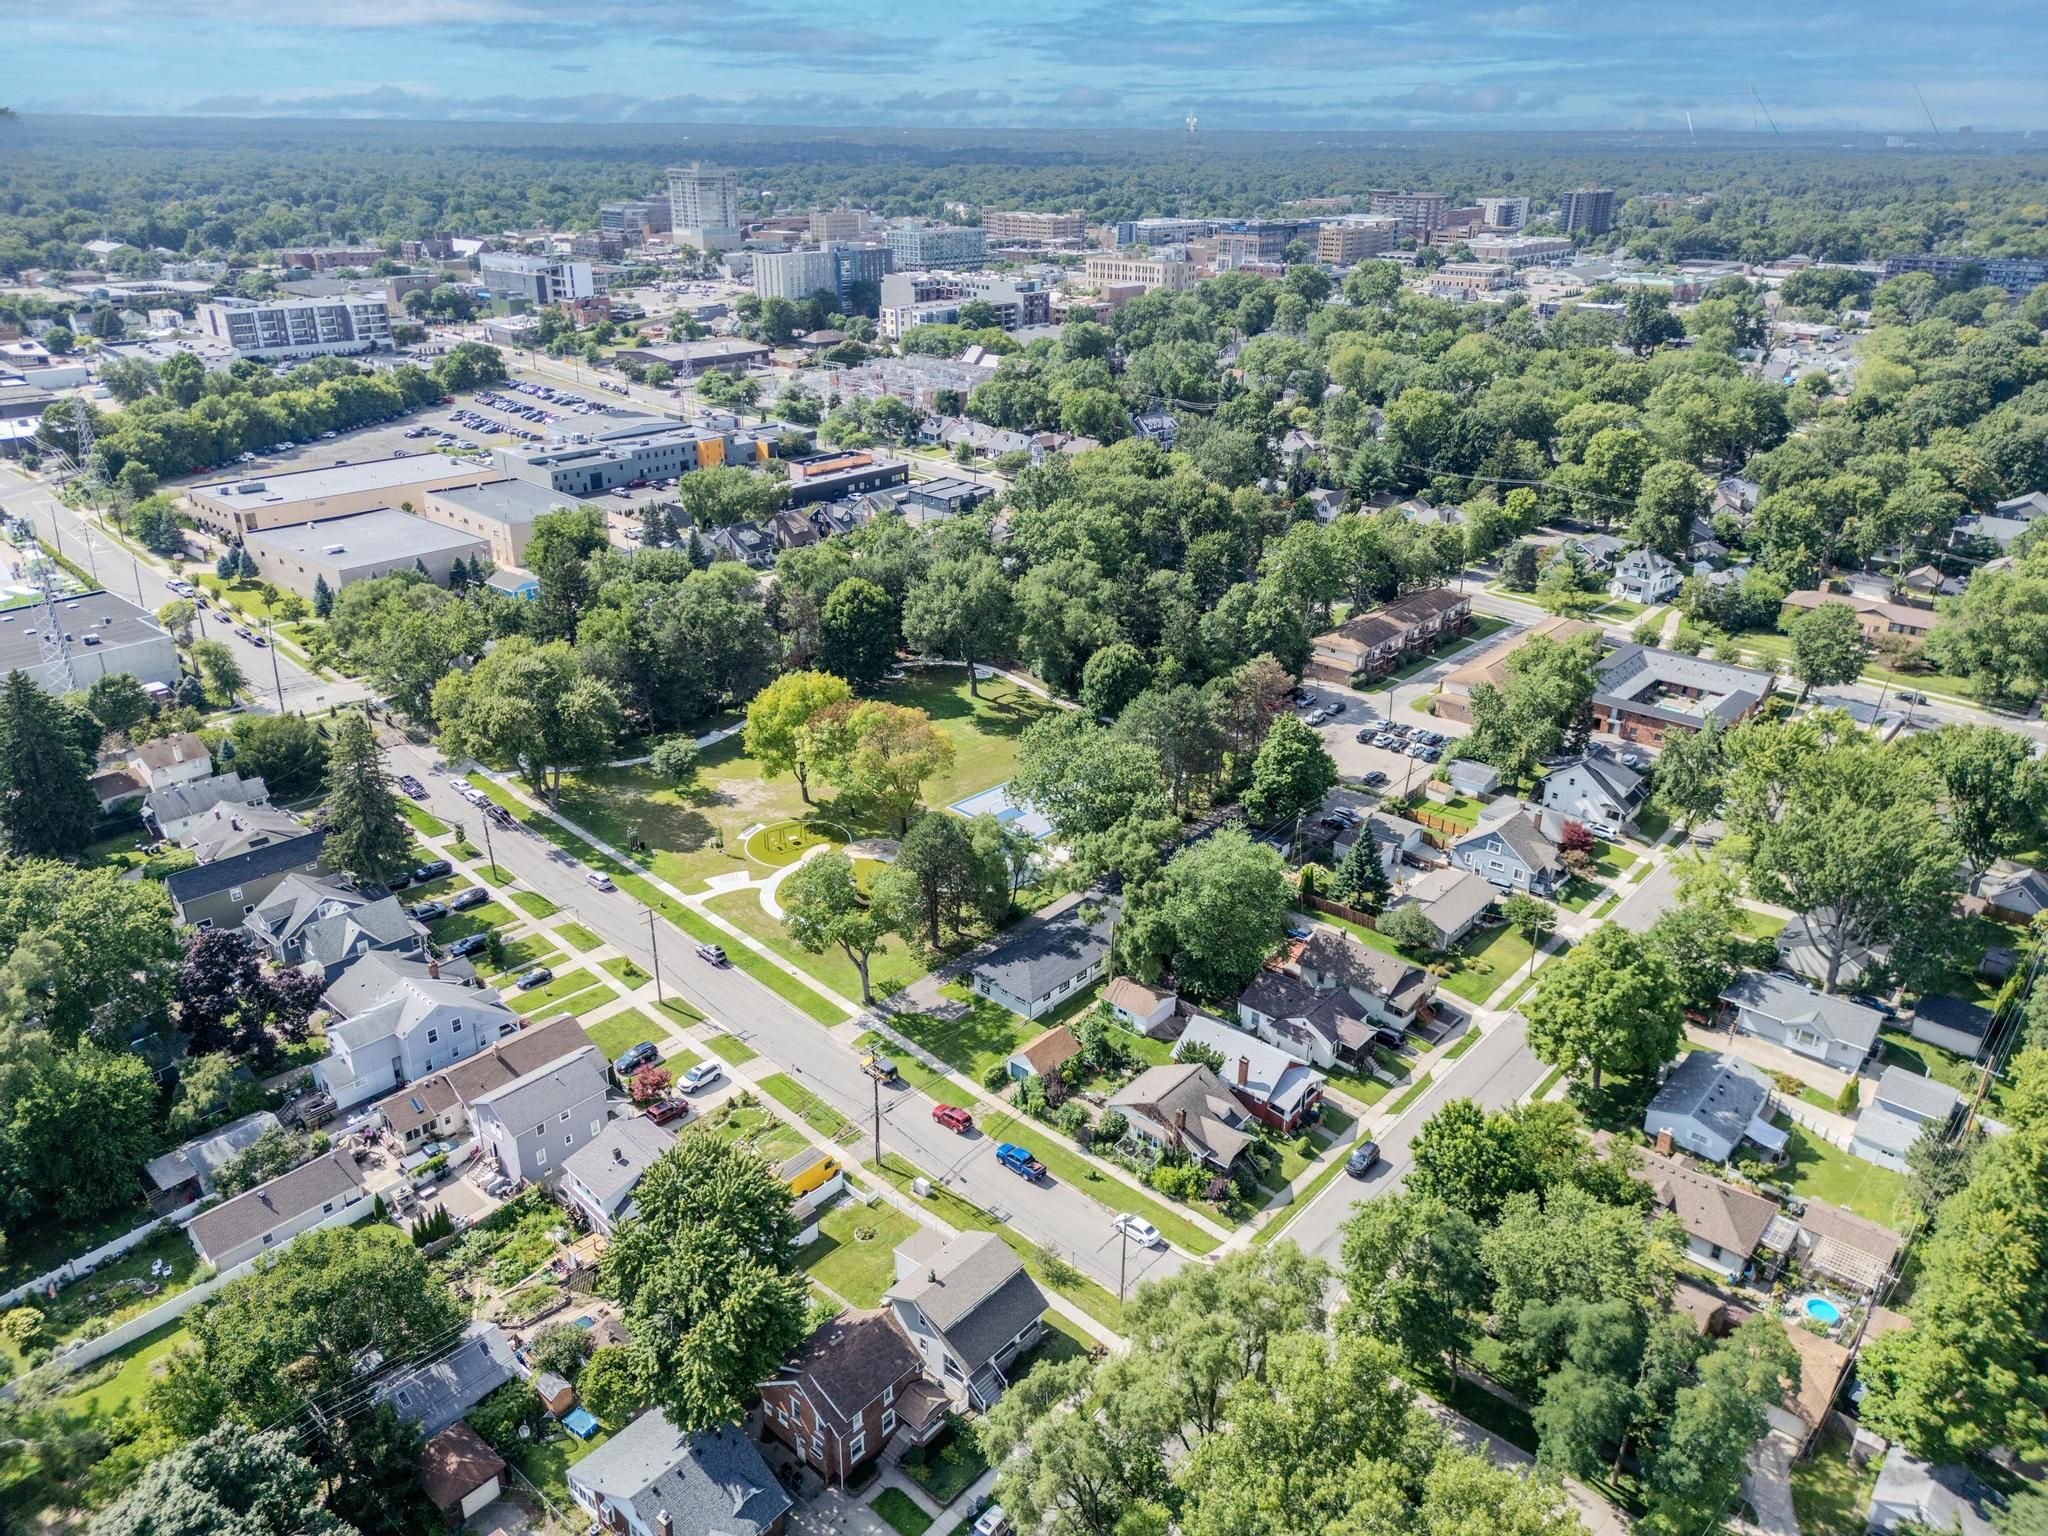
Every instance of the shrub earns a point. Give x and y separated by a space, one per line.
1073 1119
20 1326
1178 1181
996 1078
561 1348
1847 1100
1110 1129
498 1417
433 1226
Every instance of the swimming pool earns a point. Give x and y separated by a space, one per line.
1821 1310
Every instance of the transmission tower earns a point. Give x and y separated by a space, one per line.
50 638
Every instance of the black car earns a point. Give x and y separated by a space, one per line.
462 901
433 869
469 944
1373 778
1365 733
427 911
1876 1004
1362 1160
398 882
412 786
635 1059
1335 706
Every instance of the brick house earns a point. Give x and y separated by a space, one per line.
1376 643
857 1383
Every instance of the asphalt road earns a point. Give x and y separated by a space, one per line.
1068 1218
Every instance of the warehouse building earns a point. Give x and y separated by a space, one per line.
234 509
102 633
500 512
339 550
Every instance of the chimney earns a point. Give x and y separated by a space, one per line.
433 969
1180 1124
619 1156
1244 1070
664 1523
1664 1143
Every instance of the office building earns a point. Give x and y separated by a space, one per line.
362 545
1504 212
1348 241
841 223
537 280
2017 275
103 634
1590 209
1005 225
330 258
1261 243
1462 279
1419 212
1519 250
857 264
936 245
1108 271
234 509
704 206
625 456
1162 231
281 328
795 275
633 221
500 512
911 299
693 359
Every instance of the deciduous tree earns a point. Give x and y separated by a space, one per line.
777 716
1610 1004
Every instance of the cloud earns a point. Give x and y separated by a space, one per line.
1440 98
1086 98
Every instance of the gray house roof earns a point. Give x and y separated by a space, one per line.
438 1393
1722 1093
1917 1095
1057 948
1792 1002
227 830
1886 1130
713 1483
269 1206
1948 1012
1451 897
542 1094
610 1164
1624 784
203 880
1521 836
199 1157
976 1294
175 802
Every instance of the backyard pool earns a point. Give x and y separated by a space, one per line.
1823 1311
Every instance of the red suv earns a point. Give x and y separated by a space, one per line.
667 1111
953 1118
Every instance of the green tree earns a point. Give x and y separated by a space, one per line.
1361 879
609 1386
375 1467
724 494
46 810
1609 1004
1466 1161
1827 647
1225 901
1291 774
117 702
1992 791
323 598
1647 321
287 752
1542 706
1412 1277
1530 915
857 632
72 1133
1113 677
962 608
1700 936
533 704
1086 779
230 1480
1697 1468
1672 495
1408 929
777 716
218 669
1691 775
822 905
366 835
880 754
674 762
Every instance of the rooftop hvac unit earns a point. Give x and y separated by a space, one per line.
335 549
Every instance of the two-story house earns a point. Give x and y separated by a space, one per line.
599 1178
1278 1088
532 1125
176 809
1320 1027
175 759
1814 1024
311 922
400 1020
437 1107
221 893
1904 1105
857 1383
1184 1107
1596 789
968 1308
1391 990
651 1479
1512 852
1644 576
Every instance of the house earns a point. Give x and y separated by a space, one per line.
599 1178
1452 899
2013 893
1374 644
747 543
1803 1410
1044 1054
1814 1024
1848 1249
1320 1027
968 1308
1925 584
1297 448
1469 776
1137 1006
1278 1088
269 1216
188 1170
1644 576
1801 951
1396 839
1596 788
1597 552
1185 1107
1911 1494
1711 1103
1050 957
1511 852
111 787
857 1382
1875 617
1327 503
175 759
1454 699
1735 496
438 1393
1952 1024
401 1020
1905 1104
1156 427
175 809
1644 694
650 1479
223 831
319 924
437 1108
459 1473
790 529
221 893
530 1126
1723 1224
1389 989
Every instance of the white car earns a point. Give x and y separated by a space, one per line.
462 786
598 880
1138 1230
700 1077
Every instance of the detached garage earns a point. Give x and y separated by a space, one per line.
460 1473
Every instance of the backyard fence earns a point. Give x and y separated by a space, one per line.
1356 915
86 1263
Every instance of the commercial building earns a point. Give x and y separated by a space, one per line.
1162 231
704 206
1462 279
537 279
694 359
1589 210
936 245
1108 271
855 264
1418 212
273 328
499 512
1504 212
1519 250
1344 242
329 258
1010 224
356 548
622 457
911 299
635 220
103 634
2017 275
1263 241
237 508
833 476
795 275
841 223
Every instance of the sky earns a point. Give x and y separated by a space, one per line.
1238 64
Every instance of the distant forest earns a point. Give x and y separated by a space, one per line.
245 187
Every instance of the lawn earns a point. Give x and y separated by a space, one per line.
933 1085
1409 1095
566 984
1771 650
545 1463
759 1127
949 1466
422 823
732 1050
460 925
901 1512
622 1031
1489 958
806 1106
1924 1060
1819 1170
535 904
985 1035
1829 1493
799 994
854 1254
134 1368
522 955
1464 1043
589 1000
892 968
1759 925
1064 1162
577 937
622 970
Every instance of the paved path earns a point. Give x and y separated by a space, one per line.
1768 1487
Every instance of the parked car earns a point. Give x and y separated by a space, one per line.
1138 1230
878 1066
953 1118
539 976
427 911
462 901
636 1058
1875 1004
433 869
469 944
711 954
1362 1159
1373 778
667 1111
993 1522
1020 1161
1365 733
700 1077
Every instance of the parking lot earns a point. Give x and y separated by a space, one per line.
1360 760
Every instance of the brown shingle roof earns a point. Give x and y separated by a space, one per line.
455 1463
1051 1049
849 1362
1710 1209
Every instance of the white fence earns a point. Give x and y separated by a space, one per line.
1828 1127
86 1263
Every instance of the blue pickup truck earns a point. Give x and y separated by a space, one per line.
1020 1161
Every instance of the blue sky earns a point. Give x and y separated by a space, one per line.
1354 64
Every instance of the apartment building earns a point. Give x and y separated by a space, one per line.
911 299
795 275
1017 224
2017 275
856 263
1504 212
1377 642
1589 209
1418 212
841 223
279 328
1162 231
1348 241
330 258
537 280
936 245
1110 271
704 206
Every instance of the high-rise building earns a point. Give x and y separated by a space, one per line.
635 220
704 206
1107 271
841 223
795 275
1347 241
859 262
1590 209
1419 212
1004 224
937 245
271 328
1504 212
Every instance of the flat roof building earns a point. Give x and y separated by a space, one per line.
103 634
936 245
1344 242
1418 212
235 509
704 206
1007 224
624 455
499 512
358 547
1110 271
537 279
1590 209
694 359
280 328
795 275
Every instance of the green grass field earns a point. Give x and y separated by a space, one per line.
892 967
1829 1493
731 1050
1489 958
854 1254
422 823
807 1106
1818 1170
900 1512
534 904
622 970
986 1034
577 937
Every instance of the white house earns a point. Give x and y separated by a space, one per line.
1905 1104
1814 1024
1723 1224
1137 1006
1952 1024
401 1020
1644 576
1597 789
175 759
1711 1103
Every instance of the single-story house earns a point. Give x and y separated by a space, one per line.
1723 1224
189 1169
1050 957
111 786
1469 776
1905 1103
439 1393
266 1218
856 1383
1512 852
176 809
1454 698
1644 576
1277 1087
1137 1006
650 1479
1876 618
1711 1103
1453 900
1185 1107
969 1309
599 1178
1595 788
1819 1025
1044 1054
1800 950
459 1473
2013 893
1803 1410
1952 1024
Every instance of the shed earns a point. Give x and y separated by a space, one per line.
556 1395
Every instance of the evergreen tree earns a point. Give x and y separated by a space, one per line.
420 566
700 557
366 835
458 575
1361 879
323 598
46 810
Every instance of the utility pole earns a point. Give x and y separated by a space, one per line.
276 672
493 854
877 1081
1123 1263
654 954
